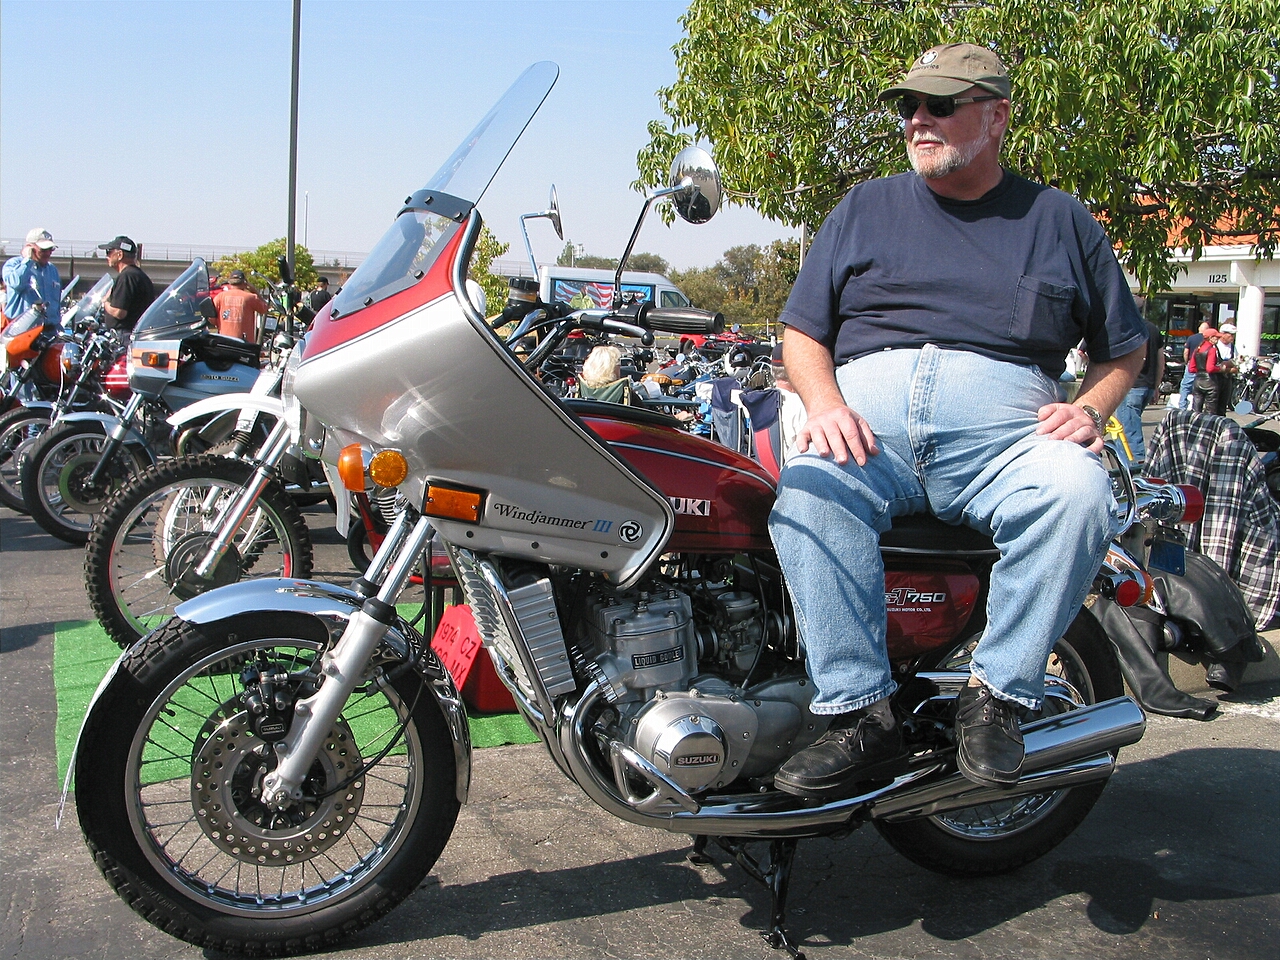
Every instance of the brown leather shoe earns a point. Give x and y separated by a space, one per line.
989 747
854 748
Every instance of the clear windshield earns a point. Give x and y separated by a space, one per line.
88 305
181 310
409 248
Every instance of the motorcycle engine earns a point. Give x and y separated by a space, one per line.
644 647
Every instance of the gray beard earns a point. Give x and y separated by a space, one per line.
951 158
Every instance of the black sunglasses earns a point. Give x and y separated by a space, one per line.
937 106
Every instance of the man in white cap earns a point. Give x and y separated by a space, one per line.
926 333
31 280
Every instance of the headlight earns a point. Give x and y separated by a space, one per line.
294 415
71 357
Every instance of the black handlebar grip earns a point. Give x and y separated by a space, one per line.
685 320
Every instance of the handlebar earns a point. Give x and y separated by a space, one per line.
685 320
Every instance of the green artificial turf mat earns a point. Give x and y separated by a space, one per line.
82 654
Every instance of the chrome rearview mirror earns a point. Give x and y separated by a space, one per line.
695 178
552 213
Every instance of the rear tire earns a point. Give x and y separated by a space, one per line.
54 475
277 884
997 838
18 429
150 534
1268 394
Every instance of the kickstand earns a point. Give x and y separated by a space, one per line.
777 877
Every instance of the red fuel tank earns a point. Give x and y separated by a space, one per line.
721 498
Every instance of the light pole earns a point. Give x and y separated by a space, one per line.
293 138
306 217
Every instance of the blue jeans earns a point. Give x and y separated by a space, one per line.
1184 388
957 438
1129 413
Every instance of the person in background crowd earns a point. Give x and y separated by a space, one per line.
31 280
1227 344
238 308
1207 368
1129 413
320 295
133 290
1188 376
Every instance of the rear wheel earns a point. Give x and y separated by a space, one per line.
55 478
167 789
144 546
1268 395
999 837
18 430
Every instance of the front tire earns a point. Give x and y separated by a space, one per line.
150 535
165 777
55 478
997 838
18 429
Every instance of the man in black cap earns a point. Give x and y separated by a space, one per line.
925 334
133 290
320 295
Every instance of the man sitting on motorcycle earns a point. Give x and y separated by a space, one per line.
926 333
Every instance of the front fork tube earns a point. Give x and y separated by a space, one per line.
343 667
115 437
233 514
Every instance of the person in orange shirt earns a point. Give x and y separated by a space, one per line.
239 308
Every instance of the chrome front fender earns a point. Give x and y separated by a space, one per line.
109 422
333 607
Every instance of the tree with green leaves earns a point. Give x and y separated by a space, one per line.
489 248
1162 117
262 261
748 284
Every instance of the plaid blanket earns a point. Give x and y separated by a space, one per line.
1241 525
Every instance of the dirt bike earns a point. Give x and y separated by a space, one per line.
283 761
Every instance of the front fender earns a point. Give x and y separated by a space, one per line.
109 422
227 402
333 607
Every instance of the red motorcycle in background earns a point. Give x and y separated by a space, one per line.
284 760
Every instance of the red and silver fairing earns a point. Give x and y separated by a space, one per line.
402 359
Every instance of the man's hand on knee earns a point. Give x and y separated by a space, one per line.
838 432
1066 421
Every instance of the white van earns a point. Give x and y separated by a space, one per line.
586 288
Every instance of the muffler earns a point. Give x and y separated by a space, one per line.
1062 751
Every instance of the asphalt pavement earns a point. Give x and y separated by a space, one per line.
1177 860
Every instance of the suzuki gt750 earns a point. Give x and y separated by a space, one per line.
283 761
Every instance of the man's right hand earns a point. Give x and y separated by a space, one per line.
838 432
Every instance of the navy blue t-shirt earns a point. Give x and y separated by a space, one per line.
1022 274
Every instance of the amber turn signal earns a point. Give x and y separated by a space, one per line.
351 467
388 468
451 503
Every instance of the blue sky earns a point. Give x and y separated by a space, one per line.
168 121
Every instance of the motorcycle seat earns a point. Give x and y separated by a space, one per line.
923 533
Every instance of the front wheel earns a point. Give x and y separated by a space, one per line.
146 542
18 431
168 775
1268 395
999 837
55 478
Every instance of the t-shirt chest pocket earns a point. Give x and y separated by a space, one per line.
1042 314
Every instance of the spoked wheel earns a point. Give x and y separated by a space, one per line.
18 430
1268 396
145 545
168 778
998 837
56 478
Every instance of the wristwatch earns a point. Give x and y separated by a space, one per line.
1099 423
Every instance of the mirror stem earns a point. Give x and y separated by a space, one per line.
683 185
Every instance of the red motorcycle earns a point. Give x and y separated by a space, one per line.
283 761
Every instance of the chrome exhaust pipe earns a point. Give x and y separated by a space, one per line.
1066 750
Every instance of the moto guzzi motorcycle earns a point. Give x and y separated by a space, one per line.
283 761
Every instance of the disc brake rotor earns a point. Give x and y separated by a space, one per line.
186 554
72 486
226 787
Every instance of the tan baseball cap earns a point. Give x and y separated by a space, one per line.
952 68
